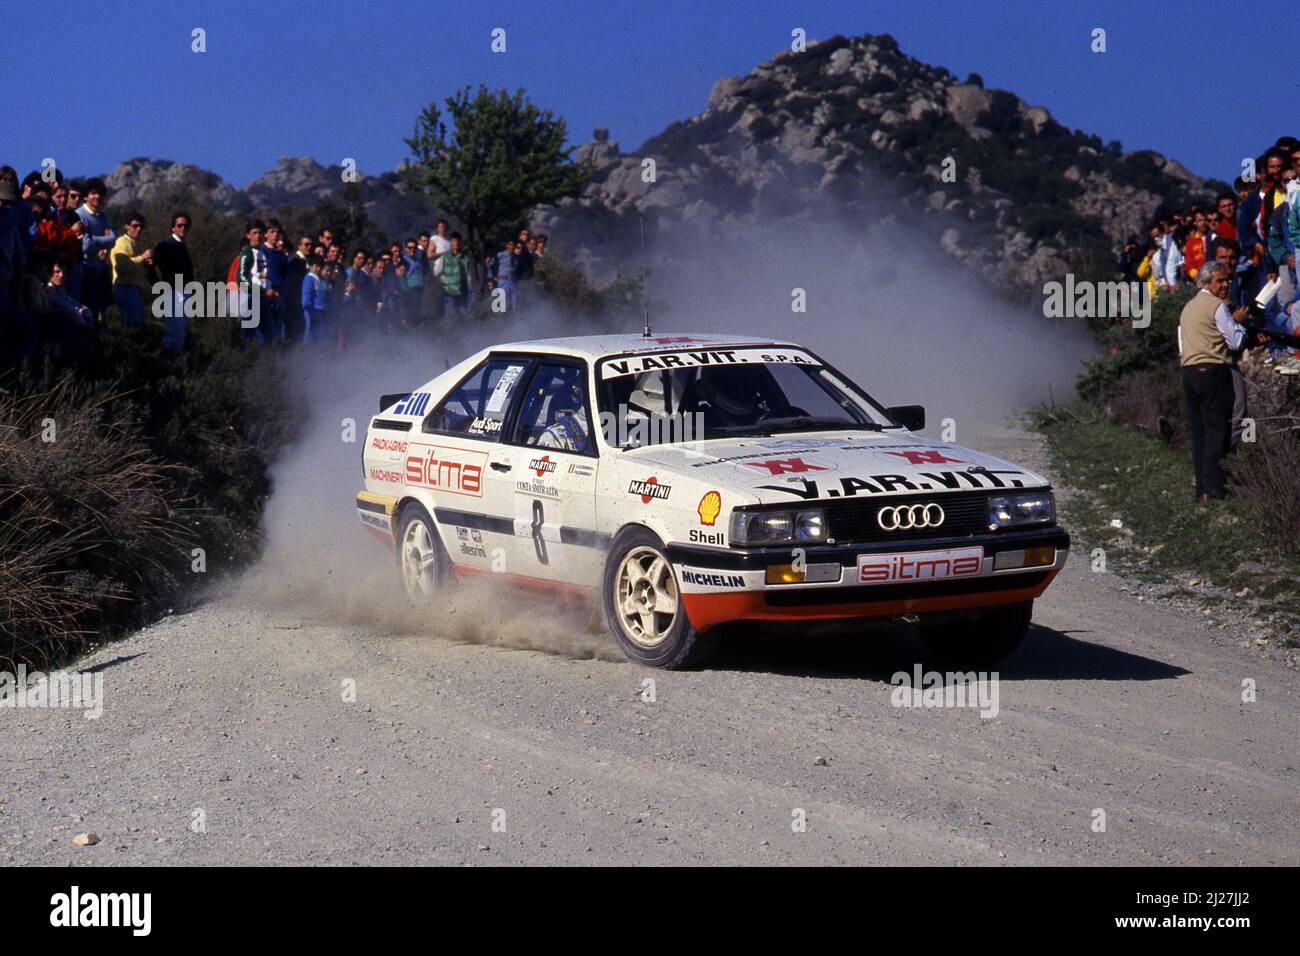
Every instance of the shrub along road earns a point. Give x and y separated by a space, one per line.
225 739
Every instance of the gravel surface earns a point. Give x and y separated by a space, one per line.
226 738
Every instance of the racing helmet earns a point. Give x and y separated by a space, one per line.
657 393
568 414
732 389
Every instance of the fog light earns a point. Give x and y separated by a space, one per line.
823 573
1040 556
783 574
1009 559
1026 558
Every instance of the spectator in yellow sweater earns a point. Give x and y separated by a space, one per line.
130 262
1146 270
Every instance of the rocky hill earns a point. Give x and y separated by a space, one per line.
293 181
855 130
139 181
850 130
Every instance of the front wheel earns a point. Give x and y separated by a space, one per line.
643 605
421 558
993 636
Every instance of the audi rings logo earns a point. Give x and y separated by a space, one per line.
909 517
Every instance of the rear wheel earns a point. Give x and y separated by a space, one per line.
421 558
643 606
992 637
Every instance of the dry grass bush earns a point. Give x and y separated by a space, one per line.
1266 473
92 533
1151 401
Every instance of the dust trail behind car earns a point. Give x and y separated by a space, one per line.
315 566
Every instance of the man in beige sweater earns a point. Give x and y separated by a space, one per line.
1207 333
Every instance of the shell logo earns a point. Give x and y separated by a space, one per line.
709 507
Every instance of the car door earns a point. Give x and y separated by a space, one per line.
460 459
554 492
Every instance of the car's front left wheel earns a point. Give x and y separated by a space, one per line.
421 558
643 605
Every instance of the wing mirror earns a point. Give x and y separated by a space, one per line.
911 417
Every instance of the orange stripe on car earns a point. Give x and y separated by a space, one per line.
709 610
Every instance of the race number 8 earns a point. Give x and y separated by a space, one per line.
539 518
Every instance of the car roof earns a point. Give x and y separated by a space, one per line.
604 346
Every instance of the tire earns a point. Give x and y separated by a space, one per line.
643 604
992 637
423 566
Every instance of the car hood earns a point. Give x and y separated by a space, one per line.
790 469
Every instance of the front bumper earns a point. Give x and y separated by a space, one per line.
722 585
377 514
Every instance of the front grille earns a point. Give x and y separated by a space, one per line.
855 522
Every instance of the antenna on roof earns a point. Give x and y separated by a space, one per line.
645 308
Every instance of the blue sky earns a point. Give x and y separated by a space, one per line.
332 79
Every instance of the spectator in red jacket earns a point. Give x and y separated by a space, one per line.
1196 245
1226 227
49 232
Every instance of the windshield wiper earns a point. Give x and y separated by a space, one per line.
792 423
736 429
813 423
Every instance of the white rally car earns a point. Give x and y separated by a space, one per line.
692 482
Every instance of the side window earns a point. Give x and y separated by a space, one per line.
554 411
479 404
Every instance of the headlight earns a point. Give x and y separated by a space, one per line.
1011 511
808 526
777 527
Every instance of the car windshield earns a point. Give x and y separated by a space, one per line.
752 396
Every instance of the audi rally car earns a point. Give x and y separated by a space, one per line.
689 483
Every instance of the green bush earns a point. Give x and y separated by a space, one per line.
1126 350
619 304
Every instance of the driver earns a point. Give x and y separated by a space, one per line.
569 430
732 393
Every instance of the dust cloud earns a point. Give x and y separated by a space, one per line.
320 565
885 306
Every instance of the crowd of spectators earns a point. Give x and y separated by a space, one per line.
315 292
62 266
1252 229
1235 254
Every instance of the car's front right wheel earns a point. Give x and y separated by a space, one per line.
993 636
643 605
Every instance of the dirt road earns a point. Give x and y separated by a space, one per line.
226 738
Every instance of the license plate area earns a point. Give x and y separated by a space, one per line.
903 567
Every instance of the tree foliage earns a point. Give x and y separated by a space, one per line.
500 157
